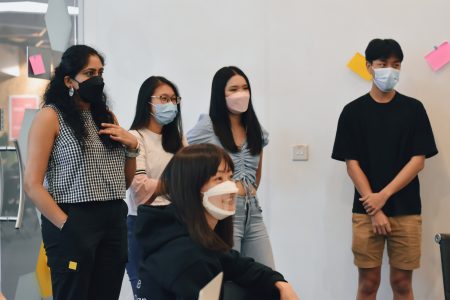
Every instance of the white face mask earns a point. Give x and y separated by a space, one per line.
386 78
219 197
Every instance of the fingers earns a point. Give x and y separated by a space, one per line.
374 229
388 228
378 229
117 139
110 125
382 229
110 131
125 140
371 211
371 208
118 134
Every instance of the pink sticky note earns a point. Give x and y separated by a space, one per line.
439 57
37 64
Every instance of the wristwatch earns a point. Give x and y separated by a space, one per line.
132 153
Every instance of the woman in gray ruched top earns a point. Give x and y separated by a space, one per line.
233 125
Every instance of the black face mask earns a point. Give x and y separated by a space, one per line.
91 90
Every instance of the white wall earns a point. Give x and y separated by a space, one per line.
294 53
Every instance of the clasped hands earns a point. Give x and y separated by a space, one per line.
373 203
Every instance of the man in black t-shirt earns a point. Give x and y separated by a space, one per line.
384 138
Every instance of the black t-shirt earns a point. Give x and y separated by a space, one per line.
383 137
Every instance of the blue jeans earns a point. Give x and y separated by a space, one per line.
250 234
133 254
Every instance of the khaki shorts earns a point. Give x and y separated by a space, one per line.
403 243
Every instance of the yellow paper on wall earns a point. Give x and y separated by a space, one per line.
358 65
43 274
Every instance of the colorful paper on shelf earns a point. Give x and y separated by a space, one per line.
358 65
37 64
439 57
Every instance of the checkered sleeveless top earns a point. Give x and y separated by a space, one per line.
76 175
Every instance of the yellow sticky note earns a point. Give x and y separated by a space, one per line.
72 265
358 65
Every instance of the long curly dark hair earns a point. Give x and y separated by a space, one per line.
73 60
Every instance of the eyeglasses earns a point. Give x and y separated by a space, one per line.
166 99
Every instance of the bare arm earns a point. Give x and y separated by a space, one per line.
142 188
286 291
358 177
380 223
374 202
406 175
41 138
130 169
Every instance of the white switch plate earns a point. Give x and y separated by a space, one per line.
300 152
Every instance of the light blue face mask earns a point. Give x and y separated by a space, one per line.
386 78
165 113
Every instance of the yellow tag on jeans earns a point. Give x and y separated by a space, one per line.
72 265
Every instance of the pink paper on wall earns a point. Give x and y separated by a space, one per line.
37 64
439 57
17 106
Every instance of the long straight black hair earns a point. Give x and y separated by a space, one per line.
181 182
172 133
219 113
73 60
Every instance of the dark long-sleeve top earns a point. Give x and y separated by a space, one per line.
173 266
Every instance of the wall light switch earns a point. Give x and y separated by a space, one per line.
300 152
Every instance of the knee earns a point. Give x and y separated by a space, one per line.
369 285
401 285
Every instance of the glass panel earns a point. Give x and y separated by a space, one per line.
23 33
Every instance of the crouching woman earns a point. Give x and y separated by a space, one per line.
185 244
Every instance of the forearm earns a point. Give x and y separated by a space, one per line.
405 176
46 205
358 177
286 291
130 170
142 188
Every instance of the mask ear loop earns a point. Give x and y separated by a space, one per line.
151 113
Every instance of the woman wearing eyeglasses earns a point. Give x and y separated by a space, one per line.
158 128
233 125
